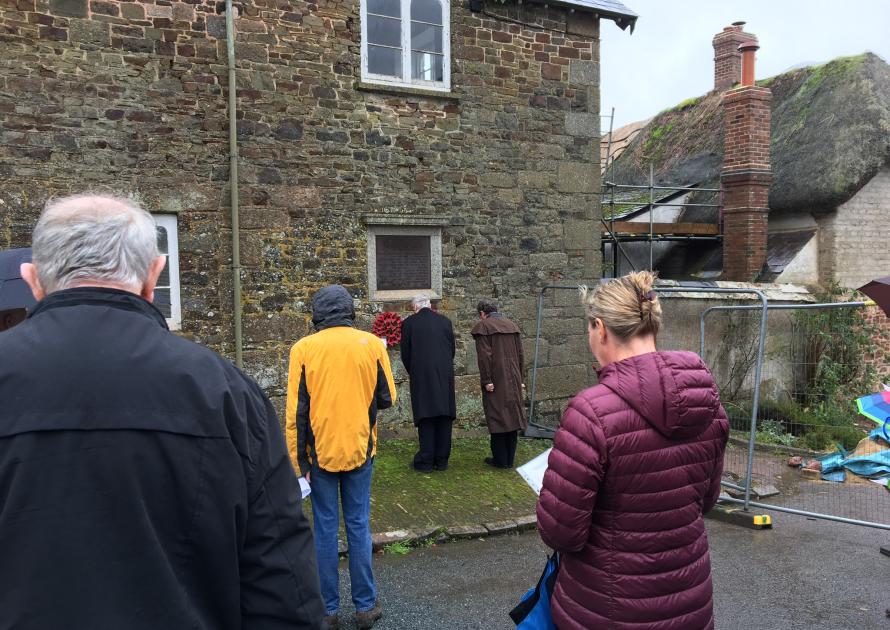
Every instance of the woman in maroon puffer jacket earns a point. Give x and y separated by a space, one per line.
636 462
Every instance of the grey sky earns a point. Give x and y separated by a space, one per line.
669 57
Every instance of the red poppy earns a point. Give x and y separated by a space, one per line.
389 326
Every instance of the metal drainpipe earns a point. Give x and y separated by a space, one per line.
233 180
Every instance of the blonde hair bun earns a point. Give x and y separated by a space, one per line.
628 306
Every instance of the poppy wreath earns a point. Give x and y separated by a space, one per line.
389 326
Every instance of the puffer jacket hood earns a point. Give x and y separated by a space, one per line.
332 306
672 391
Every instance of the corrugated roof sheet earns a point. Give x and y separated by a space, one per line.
611 9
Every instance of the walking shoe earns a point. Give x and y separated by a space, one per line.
330 622
365 620
440 467
490 462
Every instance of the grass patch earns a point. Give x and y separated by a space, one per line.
469 492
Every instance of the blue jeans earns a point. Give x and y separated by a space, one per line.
354 488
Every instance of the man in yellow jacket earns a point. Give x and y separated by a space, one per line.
338 379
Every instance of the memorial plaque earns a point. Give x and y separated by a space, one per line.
403 263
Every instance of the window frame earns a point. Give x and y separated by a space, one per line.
434 232
405 30
170 222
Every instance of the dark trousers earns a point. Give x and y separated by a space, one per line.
503 448
435 443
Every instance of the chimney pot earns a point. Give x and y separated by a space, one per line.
748 50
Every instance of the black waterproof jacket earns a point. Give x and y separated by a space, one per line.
427 349
144 481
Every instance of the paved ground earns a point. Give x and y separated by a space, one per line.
802 574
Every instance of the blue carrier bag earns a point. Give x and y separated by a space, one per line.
533 610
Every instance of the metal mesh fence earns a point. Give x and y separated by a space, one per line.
813 369
814 365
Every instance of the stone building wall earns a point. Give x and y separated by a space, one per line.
130 98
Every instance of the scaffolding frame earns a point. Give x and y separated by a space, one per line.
612 234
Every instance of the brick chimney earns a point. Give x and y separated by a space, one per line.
727 58
746 175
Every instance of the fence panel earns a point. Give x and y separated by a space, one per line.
814 369
682 330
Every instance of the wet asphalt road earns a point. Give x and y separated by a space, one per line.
802 574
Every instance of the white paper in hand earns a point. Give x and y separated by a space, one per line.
533 471
304 487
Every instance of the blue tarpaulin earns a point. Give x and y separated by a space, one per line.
871 465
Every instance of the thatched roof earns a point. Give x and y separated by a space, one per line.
613 144
830 136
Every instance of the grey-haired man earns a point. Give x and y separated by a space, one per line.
144 480
427 349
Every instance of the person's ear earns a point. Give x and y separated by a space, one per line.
154 272
29 275
601 331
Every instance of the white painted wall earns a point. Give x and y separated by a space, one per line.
854 241
804 268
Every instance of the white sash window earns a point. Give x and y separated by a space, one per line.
407 43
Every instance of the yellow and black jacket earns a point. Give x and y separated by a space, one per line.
338 379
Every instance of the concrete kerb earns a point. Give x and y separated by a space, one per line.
439 535
415 537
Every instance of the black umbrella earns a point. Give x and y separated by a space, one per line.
14 293
879 291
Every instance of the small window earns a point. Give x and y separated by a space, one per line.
167 297
404 261
406 43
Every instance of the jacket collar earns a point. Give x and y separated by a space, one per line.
99 296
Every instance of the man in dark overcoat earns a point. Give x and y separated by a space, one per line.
428 354
144 480
499 353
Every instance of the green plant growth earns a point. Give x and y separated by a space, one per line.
773 432
828 357
398 548
656 142
787 423
828 353
689 102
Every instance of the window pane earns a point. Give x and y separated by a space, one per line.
384 31
164 278
162 301
403 263
162 239
425 37
426 11
427 67
385 61
385 7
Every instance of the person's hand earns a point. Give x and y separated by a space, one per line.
489 388
308 475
